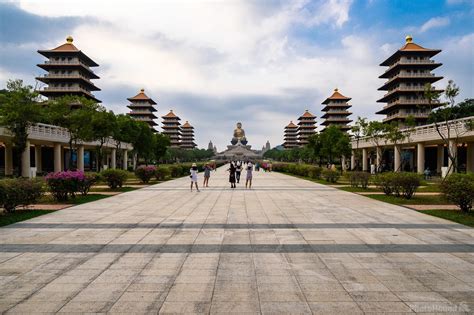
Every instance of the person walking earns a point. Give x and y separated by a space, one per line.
207 175
248 178
194 178
238 170
232 175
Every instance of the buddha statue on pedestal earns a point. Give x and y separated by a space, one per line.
239 135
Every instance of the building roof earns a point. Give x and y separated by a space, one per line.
141 96
186 125
291 125
68 47
336 96
171 115
409 47
307 114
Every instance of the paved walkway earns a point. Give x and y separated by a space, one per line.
286 246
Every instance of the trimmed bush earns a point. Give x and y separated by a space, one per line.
398 184
162 173
145 173
65 184
85 185
19 192
359 179
176 170
330 176
459 188
114 177
315 172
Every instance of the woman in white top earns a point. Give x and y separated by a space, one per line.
248 181
194 176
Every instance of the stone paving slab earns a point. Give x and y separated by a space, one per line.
285 246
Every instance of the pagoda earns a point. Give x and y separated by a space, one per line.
142 109
306 127
171 128
336 111
187 136
409 70
291 136
69 72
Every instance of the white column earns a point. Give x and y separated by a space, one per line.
470 157
113 162
365 167
453 151
125 159
397 158
420 158
378 162
80 158
353 160
25 161
343 162
135 161
38 158
440 158
8 159
57 157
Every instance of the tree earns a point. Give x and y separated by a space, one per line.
18 111
126 130
75 120
160 145
334 143
358 131
103 124
143 142
315 145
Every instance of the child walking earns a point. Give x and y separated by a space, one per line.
194 177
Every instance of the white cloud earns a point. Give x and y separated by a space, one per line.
332 10
435 22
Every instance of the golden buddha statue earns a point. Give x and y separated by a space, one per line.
239 135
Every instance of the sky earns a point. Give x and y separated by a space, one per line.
219 62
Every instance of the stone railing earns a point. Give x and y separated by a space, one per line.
426 133
54 134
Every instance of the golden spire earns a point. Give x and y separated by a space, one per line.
69 40
142 90
408 39
335 90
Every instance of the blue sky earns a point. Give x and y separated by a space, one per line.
219 62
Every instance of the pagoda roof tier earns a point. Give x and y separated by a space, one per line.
59 91
431 78
68 48
171 126
410 48
170 116
49 78
404 116
147 107
330 114
396 105
410 64
151 115
186 125
335 121
141 96
342 127
336 96
404 91
331 106
306 123
306 115
51 65
291 125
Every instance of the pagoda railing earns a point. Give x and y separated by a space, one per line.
410 62
426 133
410 75
416 102
66 62
71 75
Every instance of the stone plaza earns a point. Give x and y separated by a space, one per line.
286 246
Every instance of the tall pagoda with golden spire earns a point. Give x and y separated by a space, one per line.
171 128
306 127
69 72
336 111
291 136
409 70
142 109
187 136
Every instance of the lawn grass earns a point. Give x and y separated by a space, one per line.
415 200
453 215
80 199
20 215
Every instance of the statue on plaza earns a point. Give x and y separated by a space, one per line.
239 135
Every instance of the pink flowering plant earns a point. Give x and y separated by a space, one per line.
65 184
145 173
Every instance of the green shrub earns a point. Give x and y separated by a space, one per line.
85 185
114 177
19 192
315 172
359 179
398 184
330 176
145 173
176 171
459 188
162 173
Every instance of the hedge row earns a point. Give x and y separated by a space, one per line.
307 170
